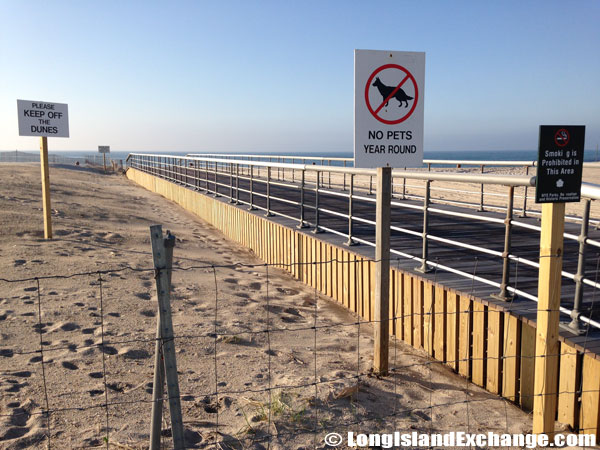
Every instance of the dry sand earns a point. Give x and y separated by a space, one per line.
101 223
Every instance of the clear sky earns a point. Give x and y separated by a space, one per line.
278 76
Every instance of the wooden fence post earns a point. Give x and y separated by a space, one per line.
547 352
382 268
165 364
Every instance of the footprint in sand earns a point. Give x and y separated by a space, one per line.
22 426
69 365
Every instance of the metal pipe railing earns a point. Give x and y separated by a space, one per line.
192 171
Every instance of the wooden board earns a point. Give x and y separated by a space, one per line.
464 336
439 329
589 415
495 335
479 338
429 317
568 385
452 329
512 362
527 366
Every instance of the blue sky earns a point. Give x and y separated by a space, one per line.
277 76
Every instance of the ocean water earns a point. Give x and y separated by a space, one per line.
463 155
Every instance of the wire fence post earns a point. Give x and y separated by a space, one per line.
251 208
162 252
382 271
546 349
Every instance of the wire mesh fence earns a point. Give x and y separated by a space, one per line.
263 362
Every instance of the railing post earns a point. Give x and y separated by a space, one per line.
404 187
381 333
423 268
231 200
237 184
251 208
344 176
481 198
350 241
503 294
268 213
370 184
216 180
293 172
524 213
206 180
575 325
547 349
329 173
302 223
316 230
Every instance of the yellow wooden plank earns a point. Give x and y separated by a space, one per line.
371 304
366 290
511 366
439 324
527 366
452 329
408 309
464 336
428 316
495 332
392 302
478 343
352 282
399 305
417 312
570 371
589 415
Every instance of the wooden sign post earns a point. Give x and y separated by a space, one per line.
546 347
46 187
558 180
43 119
382 271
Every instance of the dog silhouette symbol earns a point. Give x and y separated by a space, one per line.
385 91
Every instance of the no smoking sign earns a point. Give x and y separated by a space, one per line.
388 108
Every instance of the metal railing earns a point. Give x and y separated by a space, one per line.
296 191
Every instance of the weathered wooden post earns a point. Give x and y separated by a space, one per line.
46 187
165 362
382 270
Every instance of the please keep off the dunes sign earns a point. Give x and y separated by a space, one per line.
38 118
389 90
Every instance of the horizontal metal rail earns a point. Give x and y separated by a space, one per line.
216 176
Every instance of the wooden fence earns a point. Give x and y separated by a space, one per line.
483 341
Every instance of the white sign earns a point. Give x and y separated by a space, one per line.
103 149
43 118
389 90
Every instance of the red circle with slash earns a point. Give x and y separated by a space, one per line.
406 76
561 137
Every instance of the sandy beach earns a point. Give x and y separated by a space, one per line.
223 299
